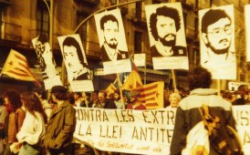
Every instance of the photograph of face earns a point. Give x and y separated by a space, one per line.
45 56
165 25
111 36
74 57
217 41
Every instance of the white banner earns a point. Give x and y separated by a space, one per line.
140 132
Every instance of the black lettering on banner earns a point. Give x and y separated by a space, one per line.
81 132
152 134
154 113
243 118
105 116
124 116
79 115
162 115
98 115
110 131
135 134
89 132
145 116
169 135
246 138
159 117
89 115
170 117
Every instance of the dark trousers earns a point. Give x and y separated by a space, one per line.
68 150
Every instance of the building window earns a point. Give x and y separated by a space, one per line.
83 29
137 42
42 18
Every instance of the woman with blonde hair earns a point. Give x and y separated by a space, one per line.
174 99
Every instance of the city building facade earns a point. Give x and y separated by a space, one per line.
23 20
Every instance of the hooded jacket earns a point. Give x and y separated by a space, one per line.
188 115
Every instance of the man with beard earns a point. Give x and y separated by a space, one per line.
216 32
110 27
164 25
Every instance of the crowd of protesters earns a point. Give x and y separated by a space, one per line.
32 123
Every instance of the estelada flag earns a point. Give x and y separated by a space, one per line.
133 81
16 66
110 89
151 95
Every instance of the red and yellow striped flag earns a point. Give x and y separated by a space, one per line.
16 66
152 95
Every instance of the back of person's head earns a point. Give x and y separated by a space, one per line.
71 98
243 90
60 92
199 77
40 91
32 103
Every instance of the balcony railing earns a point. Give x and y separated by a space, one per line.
11 32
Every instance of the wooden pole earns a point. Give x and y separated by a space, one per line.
120 89
218 87
174 80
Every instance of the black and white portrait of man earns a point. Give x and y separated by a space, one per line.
167 36
111 36
164 25
217 41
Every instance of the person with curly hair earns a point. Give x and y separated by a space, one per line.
33 129
14 119
164 25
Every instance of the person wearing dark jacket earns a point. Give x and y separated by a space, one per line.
188 114
61 126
